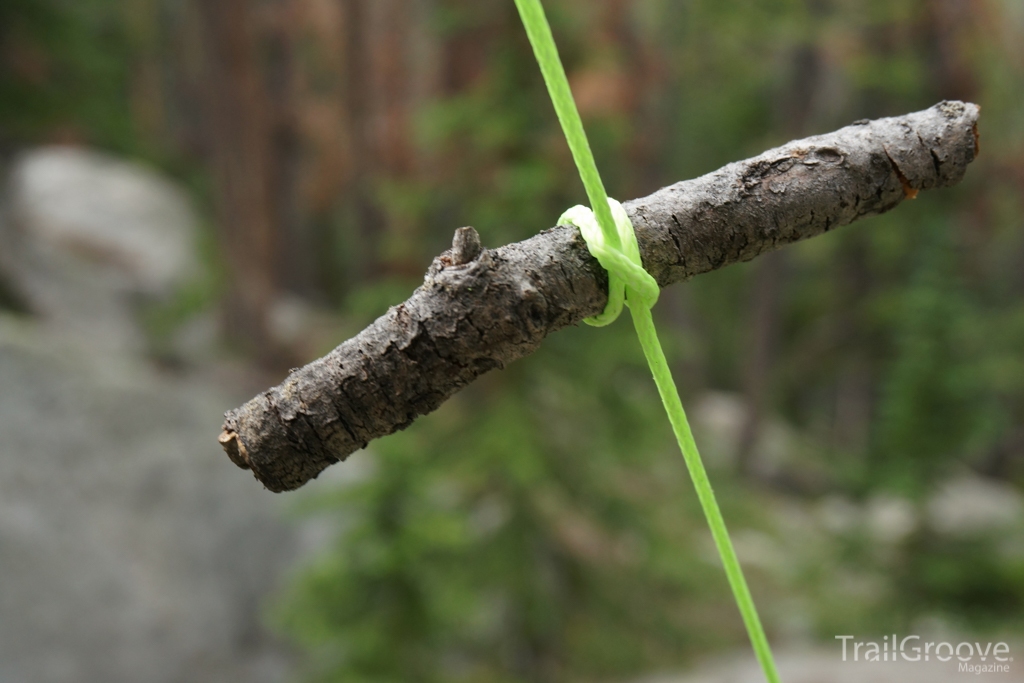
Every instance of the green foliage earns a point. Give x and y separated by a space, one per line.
987 589
926 411
65 66
532 531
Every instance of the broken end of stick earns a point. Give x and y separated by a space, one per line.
228 440
934 150
237 452
235 449
275 443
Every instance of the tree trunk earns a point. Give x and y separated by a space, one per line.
239 134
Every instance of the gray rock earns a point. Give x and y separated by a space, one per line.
131 550
116 213
86 237
970 505
779 451
890 519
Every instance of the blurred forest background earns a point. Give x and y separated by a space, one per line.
859 397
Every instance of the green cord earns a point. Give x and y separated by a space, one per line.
612 240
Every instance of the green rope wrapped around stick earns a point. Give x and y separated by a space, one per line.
610 237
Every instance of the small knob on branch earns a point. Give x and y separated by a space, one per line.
465 246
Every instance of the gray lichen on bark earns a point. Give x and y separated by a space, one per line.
480 309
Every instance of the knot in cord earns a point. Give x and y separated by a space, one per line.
628 282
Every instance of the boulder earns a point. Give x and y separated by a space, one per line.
87 237
130 548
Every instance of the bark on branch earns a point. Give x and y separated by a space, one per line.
479 309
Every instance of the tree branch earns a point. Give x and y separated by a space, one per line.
479 309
